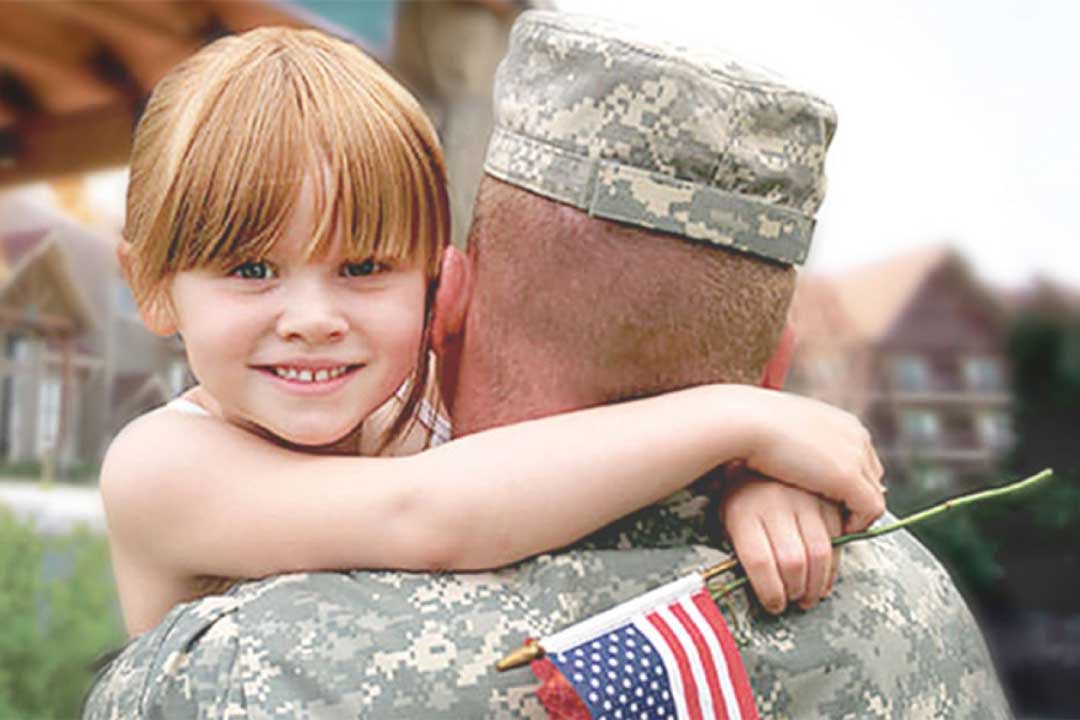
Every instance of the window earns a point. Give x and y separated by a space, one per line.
920 427
49 393
982 373
911 373
933 477
994 429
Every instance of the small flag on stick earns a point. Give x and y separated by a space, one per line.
667 654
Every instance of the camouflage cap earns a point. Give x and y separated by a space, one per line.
592 114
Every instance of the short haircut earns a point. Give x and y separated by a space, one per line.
229 135
616 311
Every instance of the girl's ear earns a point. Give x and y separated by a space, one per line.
451 300
776 369
155 309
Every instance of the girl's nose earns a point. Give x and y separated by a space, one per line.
311 316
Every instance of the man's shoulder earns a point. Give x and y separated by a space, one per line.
895 636
149 662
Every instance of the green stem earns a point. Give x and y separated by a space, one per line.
913 519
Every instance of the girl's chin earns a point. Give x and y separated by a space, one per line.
327 442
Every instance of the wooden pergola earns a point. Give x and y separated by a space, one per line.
74 74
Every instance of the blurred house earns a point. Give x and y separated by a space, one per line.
76 363
915 346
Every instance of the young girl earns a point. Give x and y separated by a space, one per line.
287 215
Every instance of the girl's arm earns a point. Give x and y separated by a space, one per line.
197 496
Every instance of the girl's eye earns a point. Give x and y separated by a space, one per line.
362 268
253 270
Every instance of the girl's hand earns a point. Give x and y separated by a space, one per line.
782 537
819 448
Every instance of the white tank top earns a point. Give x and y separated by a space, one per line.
186 406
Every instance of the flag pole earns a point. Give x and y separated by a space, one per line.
522 656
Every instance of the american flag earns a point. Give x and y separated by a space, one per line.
666 655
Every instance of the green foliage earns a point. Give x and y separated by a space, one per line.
59 612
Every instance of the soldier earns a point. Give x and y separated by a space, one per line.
635 233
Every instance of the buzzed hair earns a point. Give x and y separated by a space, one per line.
616 311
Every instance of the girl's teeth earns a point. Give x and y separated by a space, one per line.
309 376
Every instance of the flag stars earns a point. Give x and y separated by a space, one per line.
616 677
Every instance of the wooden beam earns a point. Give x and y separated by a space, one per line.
147 52
50 146
183 19
27 25
58 87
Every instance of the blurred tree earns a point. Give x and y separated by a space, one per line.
59 612
1041 552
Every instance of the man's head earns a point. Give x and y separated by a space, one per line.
636 230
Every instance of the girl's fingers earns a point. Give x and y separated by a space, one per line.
787 548
756 557
819 554
830 516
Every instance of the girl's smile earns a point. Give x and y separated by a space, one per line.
311 377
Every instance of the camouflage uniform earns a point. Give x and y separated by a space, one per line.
700 146
894 640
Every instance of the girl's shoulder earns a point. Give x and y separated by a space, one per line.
153 447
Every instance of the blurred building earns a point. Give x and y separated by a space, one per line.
75 362
916 347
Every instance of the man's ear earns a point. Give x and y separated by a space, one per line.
451 300
154 308
776 369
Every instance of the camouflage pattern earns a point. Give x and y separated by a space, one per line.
894 640
697 144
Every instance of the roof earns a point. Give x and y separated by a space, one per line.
77 260
864 305
37 255
16 246
874 296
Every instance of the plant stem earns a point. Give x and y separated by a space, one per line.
915 518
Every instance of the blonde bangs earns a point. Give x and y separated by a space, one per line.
229 137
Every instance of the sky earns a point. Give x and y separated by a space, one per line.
959 121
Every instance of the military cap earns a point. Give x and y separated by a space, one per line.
702 145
